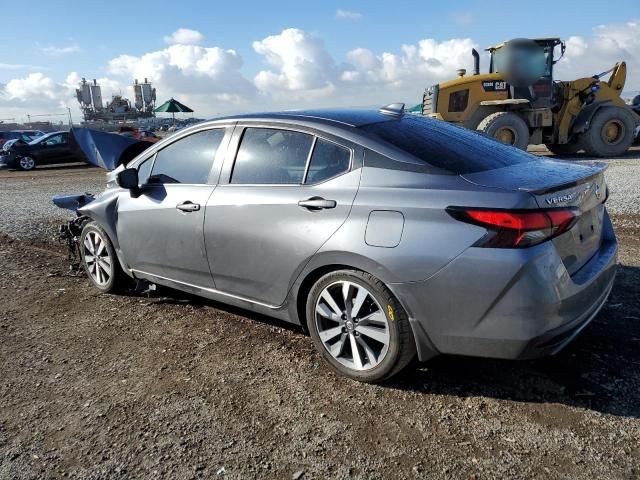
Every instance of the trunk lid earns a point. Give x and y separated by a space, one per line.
559 184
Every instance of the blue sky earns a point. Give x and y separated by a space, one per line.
68 37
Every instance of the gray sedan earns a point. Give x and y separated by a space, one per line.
387 236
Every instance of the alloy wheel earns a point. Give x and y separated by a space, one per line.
352 325
27 163
96 256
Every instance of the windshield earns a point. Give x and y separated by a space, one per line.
523 62
445 146
40 138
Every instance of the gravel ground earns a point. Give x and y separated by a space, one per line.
167 385
25 198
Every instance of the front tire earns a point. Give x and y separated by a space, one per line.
359 327
570 148
610 133
99 259
27 163
506 127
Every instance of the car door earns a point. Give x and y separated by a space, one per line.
65 154
50 149
160 228
279 200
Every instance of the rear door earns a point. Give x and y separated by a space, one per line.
160 231
279 200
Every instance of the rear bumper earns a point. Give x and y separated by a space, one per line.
514 304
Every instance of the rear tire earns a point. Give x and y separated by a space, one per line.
100 261
610 133
506 127
371 320
570 148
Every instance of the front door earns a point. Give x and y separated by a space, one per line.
160 231
55 149
287 194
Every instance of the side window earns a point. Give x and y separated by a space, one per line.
55 140
458 101
144 170
187 160
271 156
327 160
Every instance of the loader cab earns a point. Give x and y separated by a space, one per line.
527 65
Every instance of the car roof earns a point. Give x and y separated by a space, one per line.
339 116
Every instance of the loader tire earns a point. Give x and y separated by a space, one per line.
570 148
506 127
610 133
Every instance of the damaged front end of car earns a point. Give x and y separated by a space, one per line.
69 233
101 149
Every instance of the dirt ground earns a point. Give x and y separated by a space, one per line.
167 385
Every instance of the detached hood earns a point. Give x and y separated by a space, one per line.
539 176
104 149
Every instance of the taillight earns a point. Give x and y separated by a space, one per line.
516 228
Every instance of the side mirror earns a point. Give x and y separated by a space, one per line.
128 178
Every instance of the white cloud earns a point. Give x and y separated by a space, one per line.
348 15
299 72
57 51
608 44
185 36
298 61
207 77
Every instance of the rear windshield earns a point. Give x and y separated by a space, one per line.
446 146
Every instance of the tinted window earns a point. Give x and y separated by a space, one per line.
270 156
446 146
458 101
187 160
55 140
328 160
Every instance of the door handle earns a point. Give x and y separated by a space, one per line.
188 206
317 203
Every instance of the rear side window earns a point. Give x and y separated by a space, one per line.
445 146
327 160
188 160
271 156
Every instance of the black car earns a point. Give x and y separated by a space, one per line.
45 150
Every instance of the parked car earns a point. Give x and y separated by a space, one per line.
44 150
387 236
25 135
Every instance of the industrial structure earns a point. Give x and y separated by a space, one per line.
89 97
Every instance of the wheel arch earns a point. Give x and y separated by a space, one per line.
583 120
104 211
326 262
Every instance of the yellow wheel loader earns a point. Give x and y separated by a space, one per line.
519 103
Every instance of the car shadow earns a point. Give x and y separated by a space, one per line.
599 371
